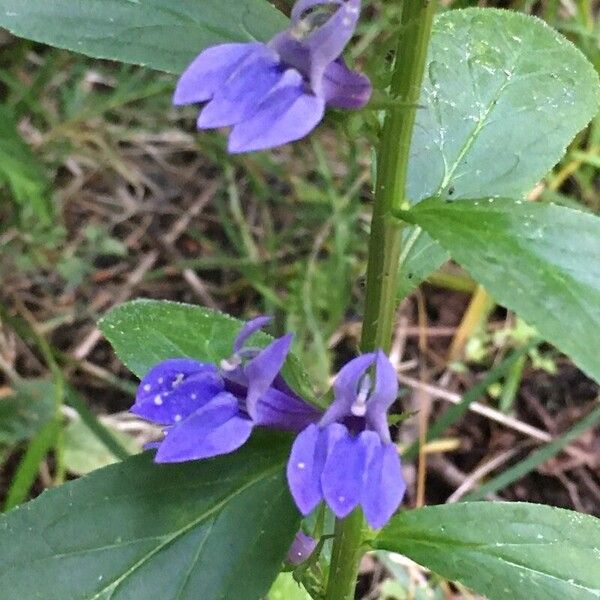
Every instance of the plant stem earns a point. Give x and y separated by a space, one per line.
385 245
392 168
345 556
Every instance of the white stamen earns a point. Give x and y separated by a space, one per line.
177 418
161 380
231 364
359 407
178 379
194 396
341 499
158 400
351 9
147 387
346 22
301 30
301 465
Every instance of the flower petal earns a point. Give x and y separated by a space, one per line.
241 95
344 474
305 466
383 396
262 370
283 411
386 382
210 70
152 445
327 42
304 470
302 6
384 487
248 329
292 52
301 549
344 88
287 114
345 388
216 428
175 388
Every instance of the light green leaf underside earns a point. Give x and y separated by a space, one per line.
287 588
503 96
540 260
506 551
215 529
163 35
83 452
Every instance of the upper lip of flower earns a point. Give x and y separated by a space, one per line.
322 40
358 396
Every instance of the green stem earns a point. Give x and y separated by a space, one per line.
390 192
345 556
385 245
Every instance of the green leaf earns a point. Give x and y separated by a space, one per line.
26 411
214 529
84 452
144 332
506 551
503 96
420 257
287 588
539 260
154 33
111 443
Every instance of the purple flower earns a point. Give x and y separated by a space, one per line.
348 458
209 410
275 93
301 549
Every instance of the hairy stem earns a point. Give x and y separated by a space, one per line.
345 556
385 245
392 168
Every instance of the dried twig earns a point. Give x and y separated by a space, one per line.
90 341
480 472
480 409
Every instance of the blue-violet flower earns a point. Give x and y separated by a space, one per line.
275 93
301 549
209 410
348 458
